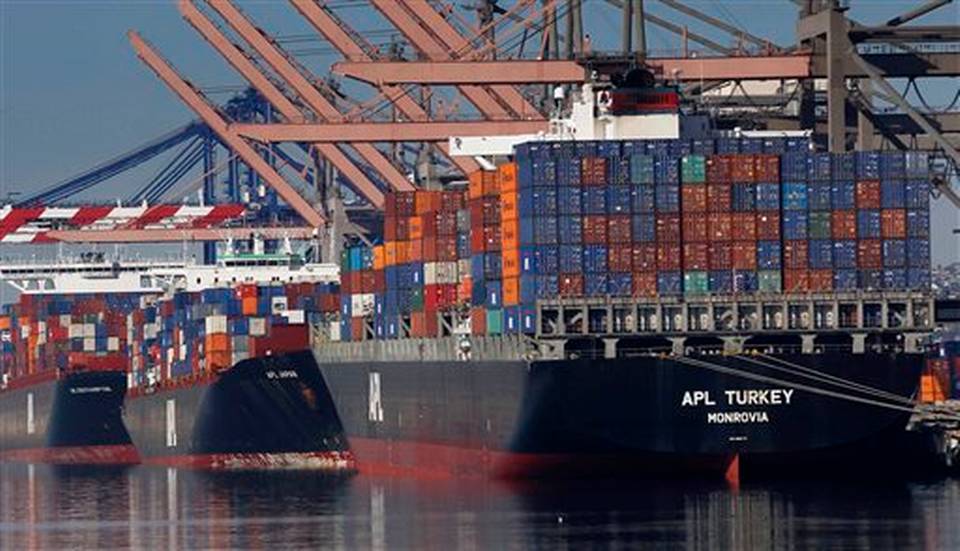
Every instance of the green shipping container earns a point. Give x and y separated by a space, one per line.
695 283
693 169
641 169
494 322
416 299
820 225
769 281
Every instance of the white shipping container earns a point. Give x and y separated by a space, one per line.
65 320
258 327
278 304
89 330
334 330
367 301
113 344
295 317
238 356
75 331
183 352
24 331
446 272
430 273
89 344
463 268
216 325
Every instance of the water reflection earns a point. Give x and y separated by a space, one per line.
43 507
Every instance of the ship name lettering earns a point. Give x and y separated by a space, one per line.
759 397
738 417
89 389
697 398
282 374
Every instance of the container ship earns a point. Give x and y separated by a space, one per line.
638 294
171 363
63 360
631 293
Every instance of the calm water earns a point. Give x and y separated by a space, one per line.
45 508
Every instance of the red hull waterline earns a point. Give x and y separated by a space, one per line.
123 454
334 462
437 461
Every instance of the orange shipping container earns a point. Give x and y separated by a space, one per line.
509 234
415 226
508 177
511 262
4 323
423 202
796 281
511 291
720 227
415 251
491 184
843 224
465 289
379 258
694 198
508 206
476 184
390 253
249 306
821 280
893 223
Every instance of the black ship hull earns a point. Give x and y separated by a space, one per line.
642 416
75 419
271 412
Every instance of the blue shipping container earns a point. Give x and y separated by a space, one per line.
820 254
595 284
843 195
744 197
594 259
545 230
548 286
819 196
569 200
619 199
893 194
644 228
918 253
868 165
894 253
768 196
669 283
643 198
547 259
768 255
845 254
868 224
570 229
571 258
845 280
668 198
794 195
795 224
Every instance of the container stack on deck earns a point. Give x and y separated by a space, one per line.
42 334
192 334
571 220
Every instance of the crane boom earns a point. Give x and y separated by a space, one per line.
212 118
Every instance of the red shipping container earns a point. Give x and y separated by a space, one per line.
868 194
743 169
368 281
768 168
821 280
620 258
618 228
768 225
356 282
446 249
491 238
451 201
431 297
571 285
415 251
693 198
870 254
669 256
478 320
695 227
719 197
491 184
893 223
718 168
403 229
429 249
721 255
795 254
695 256
390 205
744 255
796 281
719 226
843 224
644 257
389 228
491 211
644 284
418 325
477 243
668 228
446 224
593 171
379 281
744 226
595 230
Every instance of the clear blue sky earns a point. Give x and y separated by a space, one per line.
72 93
